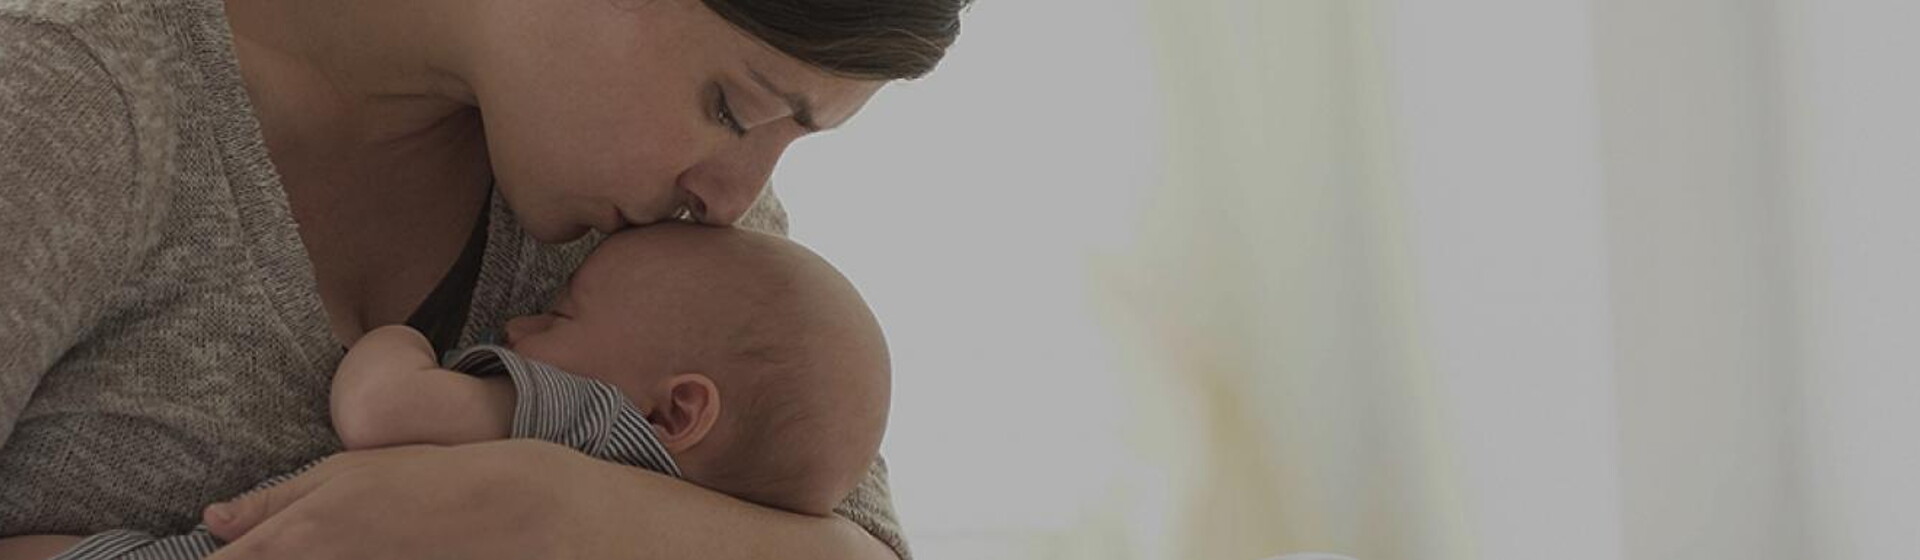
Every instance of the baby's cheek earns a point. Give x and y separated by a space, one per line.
530 347
557 349
520 328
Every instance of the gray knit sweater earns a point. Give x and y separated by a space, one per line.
162 343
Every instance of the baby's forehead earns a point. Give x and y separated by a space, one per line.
699 256
722 275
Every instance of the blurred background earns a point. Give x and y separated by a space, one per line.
1396 279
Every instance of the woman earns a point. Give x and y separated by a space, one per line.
200 204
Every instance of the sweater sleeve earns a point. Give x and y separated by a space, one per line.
871 507
766 215
70 213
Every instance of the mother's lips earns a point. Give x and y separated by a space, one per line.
689 210
632 221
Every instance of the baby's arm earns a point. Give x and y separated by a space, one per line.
390 391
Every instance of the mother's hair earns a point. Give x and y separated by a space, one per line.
863 39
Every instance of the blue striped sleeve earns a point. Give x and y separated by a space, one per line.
570 410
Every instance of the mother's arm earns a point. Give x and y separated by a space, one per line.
514 499
74 214
35 547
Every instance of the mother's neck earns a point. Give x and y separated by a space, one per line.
376 140
353 72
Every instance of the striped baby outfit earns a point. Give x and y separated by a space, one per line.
550 404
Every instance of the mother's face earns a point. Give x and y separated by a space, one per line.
605 113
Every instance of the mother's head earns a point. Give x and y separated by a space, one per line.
603 113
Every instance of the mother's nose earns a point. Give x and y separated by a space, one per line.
724 202
727 187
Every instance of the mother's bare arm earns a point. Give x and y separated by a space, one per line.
35 547
518 499
707 524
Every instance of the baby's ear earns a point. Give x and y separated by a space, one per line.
687 405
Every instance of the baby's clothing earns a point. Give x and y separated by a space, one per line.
550 404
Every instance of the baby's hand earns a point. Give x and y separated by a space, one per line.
391 391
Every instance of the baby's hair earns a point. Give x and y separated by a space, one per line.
762 466
773 408
797 358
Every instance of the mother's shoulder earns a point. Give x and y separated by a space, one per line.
83 12
146 48
767 215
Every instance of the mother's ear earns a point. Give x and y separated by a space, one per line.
688 405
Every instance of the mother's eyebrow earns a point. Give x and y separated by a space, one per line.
801 106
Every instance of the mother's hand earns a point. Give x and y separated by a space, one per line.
471 501
513 499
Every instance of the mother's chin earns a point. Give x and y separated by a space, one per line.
541 215
552 230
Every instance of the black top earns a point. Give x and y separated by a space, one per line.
444 313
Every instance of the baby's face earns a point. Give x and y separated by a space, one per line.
599 329
639 310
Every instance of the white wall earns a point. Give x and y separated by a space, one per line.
1495 105
1855 152
1647 274
965 207
1699 288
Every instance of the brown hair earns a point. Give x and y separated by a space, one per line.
865 39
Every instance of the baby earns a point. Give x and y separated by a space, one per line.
758 366
739 361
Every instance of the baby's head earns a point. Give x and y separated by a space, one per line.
762 370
